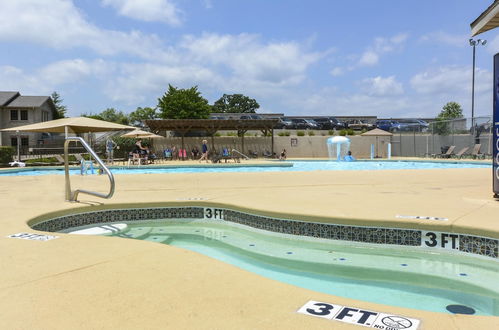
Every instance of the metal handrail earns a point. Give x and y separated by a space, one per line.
72 196
234 150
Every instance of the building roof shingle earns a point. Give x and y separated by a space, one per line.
28 101
6 97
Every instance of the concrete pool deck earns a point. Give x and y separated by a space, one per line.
85 282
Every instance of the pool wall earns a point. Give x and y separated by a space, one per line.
427 238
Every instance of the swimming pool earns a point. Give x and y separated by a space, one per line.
393 276
268 167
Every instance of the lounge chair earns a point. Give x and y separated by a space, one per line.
461 152
475 153
447 154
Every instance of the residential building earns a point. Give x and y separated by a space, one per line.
18 110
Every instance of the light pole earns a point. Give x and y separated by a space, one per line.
474 43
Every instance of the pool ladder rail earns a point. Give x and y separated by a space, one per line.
72 196
240 153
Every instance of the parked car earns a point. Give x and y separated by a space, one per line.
390 125
414 125
357 124
284 123
312 124
298 123
329 123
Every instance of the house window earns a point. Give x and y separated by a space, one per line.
23 139
45 116
14 115
24 114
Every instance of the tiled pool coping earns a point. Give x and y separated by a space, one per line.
465 243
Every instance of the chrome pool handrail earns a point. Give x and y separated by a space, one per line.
240 153
72 196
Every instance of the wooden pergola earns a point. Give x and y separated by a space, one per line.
211 126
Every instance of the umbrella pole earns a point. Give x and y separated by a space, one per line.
18 148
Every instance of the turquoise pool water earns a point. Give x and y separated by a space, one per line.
388 275
279 167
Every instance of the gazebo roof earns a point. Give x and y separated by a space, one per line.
210 124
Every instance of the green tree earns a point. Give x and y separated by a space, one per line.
60 109
235 103
112 115
140 114
183 104
451 110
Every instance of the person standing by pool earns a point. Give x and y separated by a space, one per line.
110 145
204 151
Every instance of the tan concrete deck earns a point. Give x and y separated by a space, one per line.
77 282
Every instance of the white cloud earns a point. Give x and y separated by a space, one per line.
246 56
381 46
379 86
456 40
59 24
451 80
369 58
147 10
338 71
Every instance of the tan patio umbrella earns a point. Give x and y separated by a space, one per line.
71 124
376 132
138 133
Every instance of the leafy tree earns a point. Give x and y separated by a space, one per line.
140 114
451 110
183 104
235 103
60 109
112 115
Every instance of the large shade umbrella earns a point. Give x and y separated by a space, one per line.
71 124
376 132
138 133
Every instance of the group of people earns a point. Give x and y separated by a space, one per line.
181 154
144 153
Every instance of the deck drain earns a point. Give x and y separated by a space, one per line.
460 309
463 274
289 252
403 265
252 245
343 259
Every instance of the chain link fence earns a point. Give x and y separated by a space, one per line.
438 136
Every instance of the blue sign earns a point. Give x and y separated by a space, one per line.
495 127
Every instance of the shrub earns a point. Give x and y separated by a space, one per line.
283 133
350 131
300 133
311 133
331 132
343 132
218 134
6 154
231 134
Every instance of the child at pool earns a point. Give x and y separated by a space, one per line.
349 157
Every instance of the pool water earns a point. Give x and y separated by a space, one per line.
395 276
278 167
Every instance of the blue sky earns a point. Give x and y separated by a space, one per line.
388 58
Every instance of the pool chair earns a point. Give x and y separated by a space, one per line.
461 153
475 153
447 154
